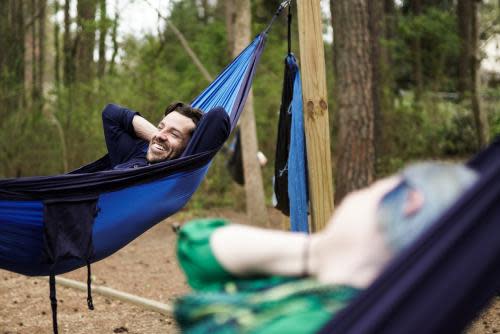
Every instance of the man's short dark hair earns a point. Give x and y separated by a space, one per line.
186 110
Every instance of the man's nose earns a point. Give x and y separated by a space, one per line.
162 135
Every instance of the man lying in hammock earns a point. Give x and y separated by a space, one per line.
264 281
132 141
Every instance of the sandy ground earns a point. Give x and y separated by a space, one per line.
147 267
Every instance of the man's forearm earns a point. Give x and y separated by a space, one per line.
244 250
143 128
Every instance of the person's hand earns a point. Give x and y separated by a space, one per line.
351 250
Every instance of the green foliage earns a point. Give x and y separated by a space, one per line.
431 128
437 30
155 70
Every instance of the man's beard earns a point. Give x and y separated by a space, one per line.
159 151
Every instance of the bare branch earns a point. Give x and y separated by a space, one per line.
185 45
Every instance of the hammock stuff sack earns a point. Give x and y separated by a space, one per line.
438 284
52 225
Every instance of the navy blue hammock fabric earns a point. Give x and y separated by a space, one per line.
438 284
113 207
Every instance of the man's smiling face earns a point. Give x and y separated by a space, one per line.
174 132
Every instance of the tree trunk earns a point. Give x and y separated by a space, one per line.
376 27
57 51
416 10
42 7
85 40
114 40
12 80
464 32
206 10
35 92
17 61
354 89
230 14
12 63
480 116
103 31
255 200
68 48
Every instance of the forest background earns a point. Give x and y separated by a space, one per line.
421 91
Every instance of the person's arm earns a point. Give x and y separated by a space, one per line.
119 133
143 128
245 251
350 250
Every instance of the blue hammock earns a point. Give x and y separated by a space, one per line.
121 201
441 281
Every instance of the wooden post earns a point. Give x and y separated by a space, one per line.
312 59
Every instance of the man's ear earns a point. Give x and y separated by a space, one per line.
414 202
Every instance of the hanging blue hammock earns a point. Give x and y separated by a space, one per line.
52 225
125 203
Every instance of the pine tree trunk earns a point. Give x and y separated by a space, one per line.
114 40
103 31
254 189
230 14
40 60
206 9
418 77
12 55
57 51
68 48
464 32
35 92
354 89
480 116
376 27
85 40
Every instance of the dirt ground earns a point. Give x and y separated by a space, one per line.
146 267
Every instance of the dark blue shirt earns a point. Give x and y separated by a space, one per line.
125 149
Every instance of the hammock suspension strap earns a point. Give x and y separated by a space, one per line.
282 6
90 303
53 301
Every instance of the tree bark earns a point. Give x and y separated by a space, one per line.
114 40
12 63
42 7
254 189
418 77
480 116
464 12
35 92
68 48
57 51
206 10
376 27
85 40
354 89
103 31
230 14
